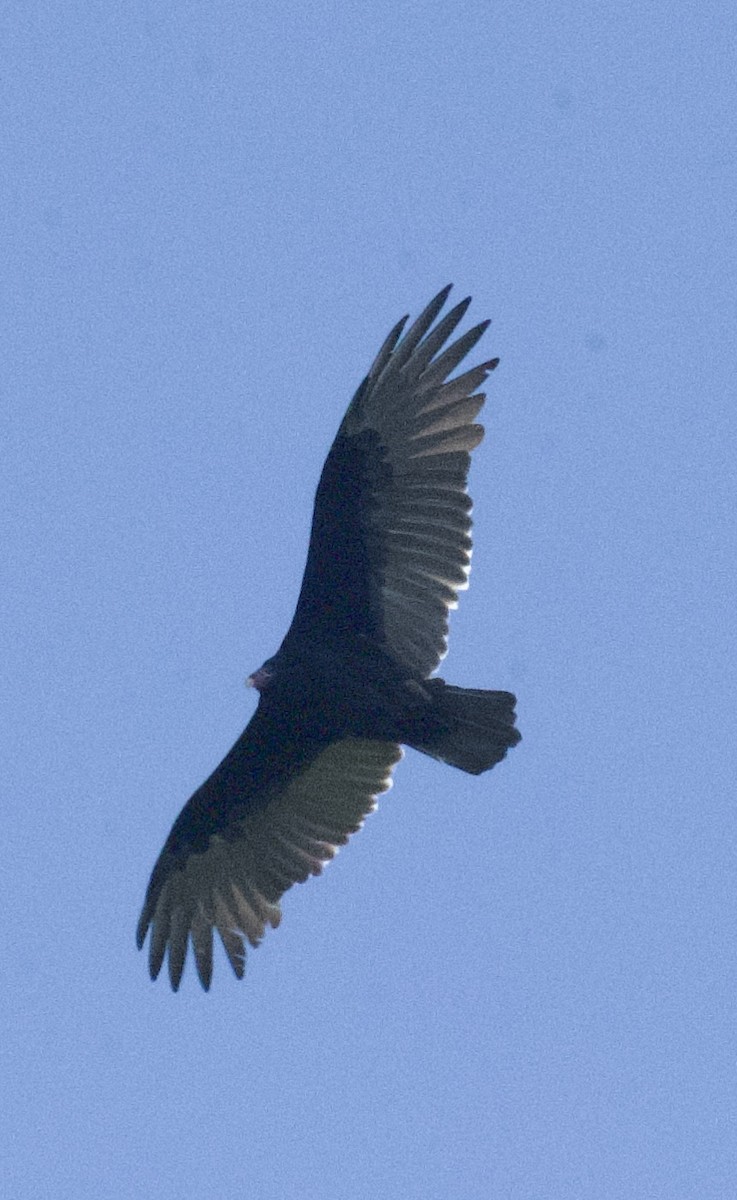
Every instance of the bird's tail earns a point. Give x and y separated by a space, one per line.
469 728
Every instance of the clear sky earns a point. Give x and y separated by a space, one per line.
514 987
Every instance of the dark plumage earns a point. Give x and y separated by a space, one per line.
389 550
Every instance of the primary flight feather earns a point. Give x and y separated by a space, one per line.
390 548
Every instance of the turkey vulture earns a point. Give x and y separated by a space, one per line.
389 550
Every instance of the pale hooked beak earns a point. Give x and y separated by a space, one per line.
259 679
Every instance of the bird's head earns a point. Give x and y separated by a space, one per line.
263 677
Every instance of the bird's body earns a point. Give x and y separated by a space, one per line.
352 681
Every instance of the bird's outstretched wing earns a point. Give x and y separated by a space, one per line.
390 546
228 860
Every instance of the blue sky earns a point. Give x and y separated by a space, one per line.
514 987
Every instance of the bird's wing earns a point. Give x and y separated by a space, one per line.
226 866
390 546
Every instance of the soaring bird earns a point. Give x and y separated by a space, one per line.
353 680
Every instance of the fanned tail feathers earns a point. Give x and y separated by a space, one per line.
472 729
